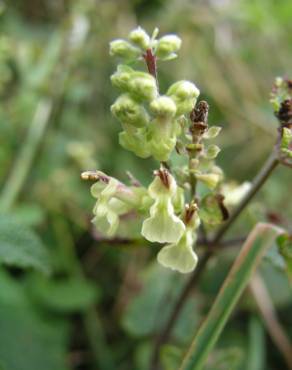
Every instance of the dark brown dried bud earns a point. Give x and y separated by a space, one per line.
200 112
285 112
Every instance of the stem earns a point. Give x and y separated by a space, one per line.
27 154
270 318
151 63
258 182
270 164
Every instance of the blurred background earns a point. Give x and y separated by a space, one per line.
101 307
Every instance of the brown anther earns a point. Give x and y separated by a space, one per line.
164 176
94 176
190 209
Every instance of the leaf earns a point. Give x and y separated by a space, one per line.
28 339
21 247
64 295
259 240
284 243
148 311
227 358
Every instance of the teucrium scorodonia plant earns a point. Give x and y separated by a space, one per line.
157 124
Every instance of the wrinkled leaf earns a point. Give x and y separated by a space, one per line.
21 247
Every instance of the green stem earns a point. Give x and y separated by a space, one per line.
256 345
26 154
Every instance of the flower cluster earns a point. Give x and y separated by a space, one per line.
177 201
151 122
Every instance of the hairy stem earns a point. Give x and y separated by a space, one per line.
258 182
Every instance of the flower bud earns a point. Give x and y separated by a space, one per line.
233 194
128 111
286 142
140 38
180 256
121 77
183 90
209 179
136 142
143 86
123 49
167 47
163 106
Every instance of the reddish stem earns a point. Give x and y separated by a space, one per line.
150 60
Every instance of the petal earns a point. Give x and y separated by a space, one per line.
180 256
163 226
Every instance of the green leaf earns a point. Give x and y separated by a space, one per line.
259 240
64 295
284 243
28 339
21 247
148 311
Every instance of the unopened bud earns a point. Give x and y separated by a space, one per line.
121 77
123 49
128 111
143 86
140 38
167 46
183 90
210 179
163 106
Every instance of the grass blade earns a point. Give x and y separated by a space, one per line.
258 241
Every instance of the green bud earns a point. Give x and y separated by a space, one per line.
209 179
128 111
162 137
180 256
140 38
167 47
183 90
212 152
123 49
143 86
286 142
163 106
136 142
121 77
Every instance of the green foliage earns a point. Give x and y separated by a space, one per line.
21 247
104 301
